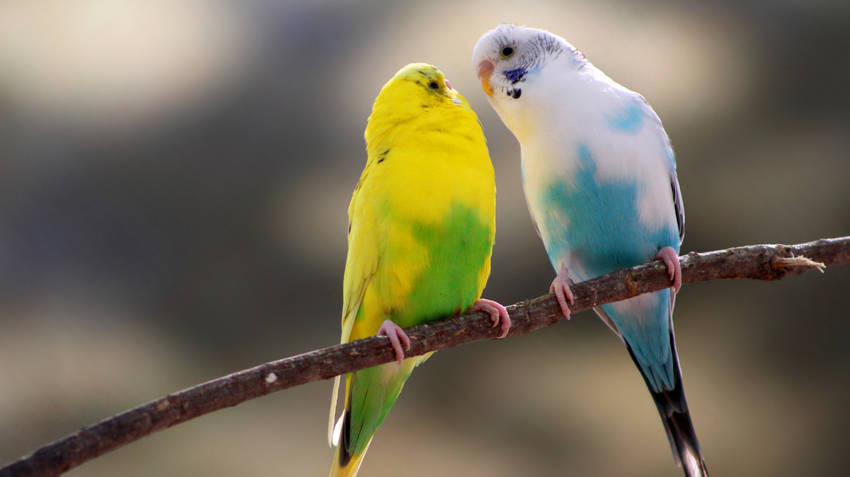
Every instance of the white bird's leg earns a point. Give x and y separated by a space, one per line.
561 288
397 336
497 313
674 268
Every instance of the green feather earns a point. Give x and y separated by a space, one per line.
458 248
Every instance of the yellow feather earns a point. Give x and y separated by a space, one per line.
395 127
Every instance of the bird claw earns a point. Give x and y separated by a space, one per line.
497 312
561 288
674 268
397 337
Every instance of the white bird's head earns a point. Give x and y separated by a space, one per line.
509 60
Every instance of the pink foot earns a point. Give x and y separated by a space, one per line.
397 336
561 288
496 311
674 268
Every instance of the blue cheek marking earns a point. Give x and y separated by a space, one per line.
604 230
630 119
515 75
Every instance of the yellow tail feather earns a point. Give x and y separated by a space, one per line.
351 467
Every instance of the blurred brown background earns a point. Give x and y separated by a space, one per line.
174 176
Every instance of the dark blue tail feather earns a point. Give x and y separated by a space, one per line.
673 409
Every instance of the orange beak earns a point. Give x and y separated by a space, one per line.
485 70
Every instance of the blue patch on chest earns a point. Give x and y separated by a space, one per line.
597 226
598 223
629 119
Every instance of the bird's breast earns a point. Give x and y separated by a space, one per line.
588 221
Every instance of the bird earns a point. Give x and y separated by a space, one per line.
599 177
420 238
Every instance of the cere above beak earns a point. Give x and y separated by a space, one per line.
485 70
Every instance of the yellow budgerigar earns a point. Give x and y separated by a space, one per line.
421 227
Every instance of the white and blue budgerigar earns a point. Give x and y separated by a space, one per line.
600 179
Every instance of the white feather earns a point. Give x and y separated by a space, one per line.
333 430
567 101
337 432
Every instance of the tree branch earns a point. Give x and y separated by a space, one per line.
758 262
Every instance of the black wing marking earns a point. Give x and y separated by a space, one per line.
677 203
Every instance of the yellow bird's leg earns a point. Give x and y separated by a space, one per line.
561 288
497 313
397 336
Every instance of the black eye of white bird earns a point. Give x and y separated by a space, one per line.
507 51
433 85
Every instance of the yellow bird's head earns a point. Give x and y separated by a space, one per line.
423 83
416 89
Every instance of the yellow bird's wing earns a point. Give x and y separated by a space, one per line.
363 253
360 266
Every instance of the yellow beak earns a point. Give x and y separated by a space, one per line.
485 70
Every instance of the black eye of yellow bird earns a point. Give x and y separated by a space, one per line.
507 51
434 85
